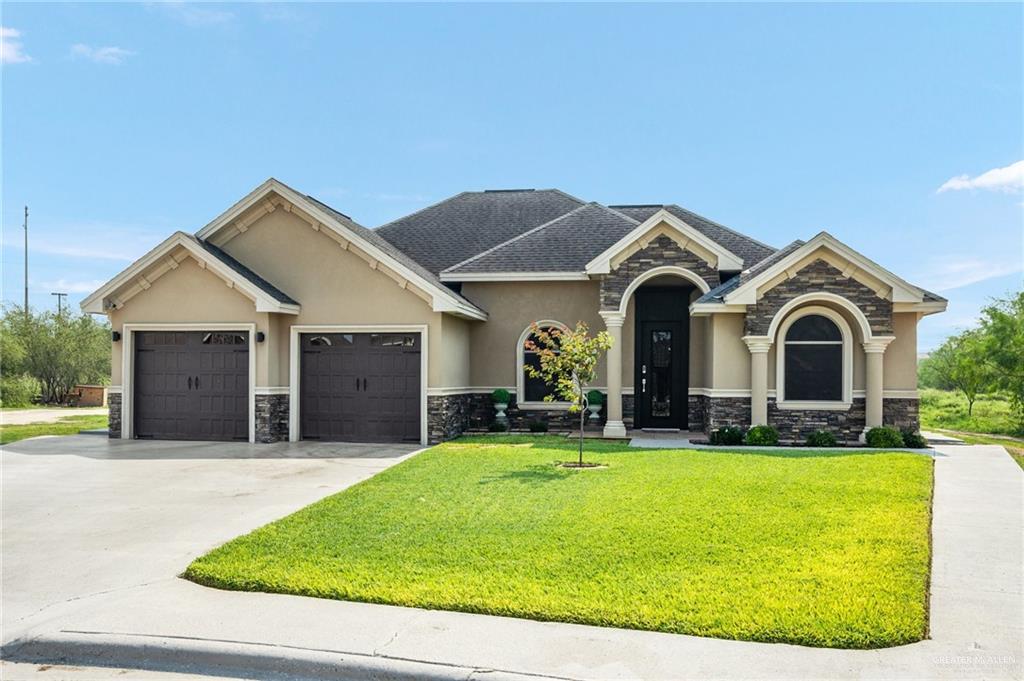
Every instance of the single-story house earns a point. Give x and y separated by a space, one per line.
284 319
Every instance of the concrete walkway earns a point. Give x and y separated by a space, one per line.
169 624
19 417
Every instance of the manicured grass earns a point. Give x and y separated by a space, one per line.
944 409
69 425
822 549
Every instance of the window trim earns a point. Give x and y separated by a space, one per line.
521 401
846 401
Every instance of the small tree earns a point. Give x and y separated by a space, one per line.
568 363
961 362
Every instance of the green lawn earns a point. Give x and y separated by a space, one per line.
941 409
69 425
822 549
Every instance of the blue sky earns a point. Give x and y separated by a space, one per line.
124 122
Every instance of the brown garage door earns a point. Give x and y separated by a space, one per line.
192 385
360 387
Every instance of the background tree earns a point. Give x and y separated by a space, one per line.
58 349
1002 333
961 363
568 363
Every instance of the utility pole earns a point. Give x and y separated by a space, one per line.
26 262
60 299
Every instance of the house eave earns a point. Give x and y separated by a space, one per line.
514 276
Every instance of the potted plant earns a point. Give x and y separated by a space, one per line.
595 399
500 398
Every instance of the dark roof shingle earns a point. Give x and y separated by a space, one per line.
470 223
565 244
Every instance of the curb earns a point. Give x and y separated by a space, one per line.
238 659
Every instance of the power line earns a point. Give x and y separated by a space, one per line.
61 297
26 261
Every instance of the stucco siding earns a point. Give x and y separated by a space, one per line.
900 363
512 307
333 286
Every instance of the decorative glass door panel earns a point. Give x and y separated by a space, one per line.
659 382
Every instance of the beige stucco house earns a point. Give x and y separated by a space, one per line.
283 319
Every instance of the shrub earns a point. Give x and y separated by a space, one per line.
18 391
501 396
821 438
727 435
914 440
762 436
884 436
497 427
595 397
538 427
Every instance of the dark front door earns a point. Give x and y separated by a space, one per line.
360 387
662 360
191 385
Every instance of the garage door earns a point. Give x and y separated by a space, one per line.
360 387
192 385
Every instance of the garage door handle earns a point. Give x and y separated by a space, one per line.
197 383
189 382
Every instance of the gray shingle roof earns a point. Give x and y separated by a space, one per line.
565 244
751 250
253 278
470 223
717 294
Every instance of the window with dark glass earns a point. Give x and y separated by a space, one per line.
534 389
814 360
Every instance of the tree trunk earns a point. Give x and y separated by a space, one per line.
970 407
583 413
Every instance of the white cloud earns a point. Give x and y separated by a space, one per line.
101 55
65 286
11 51
1007 179
196 14
960 271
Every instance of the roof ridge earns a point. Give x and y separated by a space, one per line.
611 209
718 224
518 237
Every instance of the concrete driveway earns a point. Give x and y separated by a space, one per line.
84 515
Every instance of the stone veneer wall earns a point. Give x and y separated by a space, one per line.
114 404
902 413
272 418
724 411
449 416
819 276
794 425
662 251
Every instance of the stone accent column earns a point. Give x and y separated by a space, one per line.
614 427
758 346
874 350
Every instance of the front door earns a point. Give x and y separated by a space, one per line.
662 362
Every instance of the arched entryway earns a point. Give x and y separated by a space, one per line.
661 348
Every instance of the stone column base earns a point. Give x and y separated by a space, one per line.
615 429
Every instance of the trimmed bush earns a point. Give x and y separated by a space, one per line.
18 391
883 437
538 427
821 438
501 396
762 436
727 435
914 440
595 397
497 427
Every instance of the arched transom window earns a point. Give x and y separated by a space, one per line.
815 362
532 391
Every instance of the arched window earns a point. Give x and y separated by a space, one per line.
814 360
532 391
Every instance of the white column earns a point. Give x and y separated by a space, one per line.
758 346
874 351
614 427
